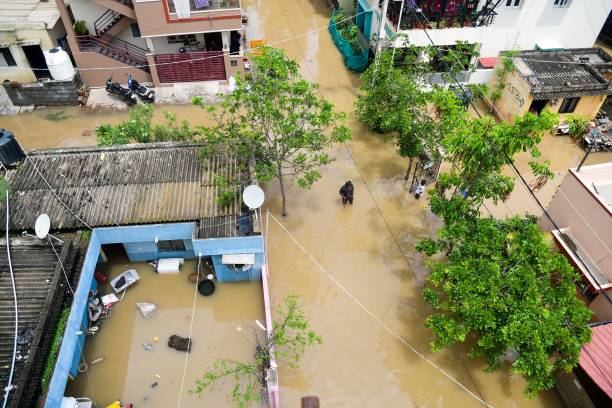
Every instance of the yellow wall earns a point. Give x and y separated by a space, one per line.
47 41
587 106
515 98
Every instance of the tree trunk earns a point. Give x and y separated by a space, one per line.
282 189
409 168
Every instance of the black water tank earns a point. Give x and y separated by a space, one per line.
10 151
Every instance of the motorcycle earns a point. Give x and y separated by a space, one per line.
597 141
562 129
124 93
145 93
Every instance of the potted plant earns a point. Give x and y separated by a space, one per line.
80 28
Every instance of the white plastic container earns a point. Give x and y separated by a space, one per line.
59 64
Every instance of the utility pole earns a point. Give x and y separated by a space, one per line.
381 29
381 36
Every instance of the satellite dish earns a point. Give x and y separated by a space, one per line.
253 196
42 226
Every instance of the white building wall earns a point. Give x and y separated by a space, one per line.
87 11
534 22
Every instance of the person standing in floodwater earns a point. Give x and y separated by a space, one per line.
346 192
420 190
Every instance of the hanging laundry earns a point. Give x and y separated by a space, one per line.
183 8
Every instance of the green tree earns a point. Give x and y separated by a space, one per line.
291 336
277 119
397 97
139 128
501 289
478 150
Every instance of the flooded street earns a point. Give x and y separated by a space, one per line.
368 248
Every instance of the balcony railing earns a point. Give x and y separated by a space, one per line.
206 5
434 14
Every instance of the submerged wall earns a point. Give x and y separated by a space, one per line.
139 240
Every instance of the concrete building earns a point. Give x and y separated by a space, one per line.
582 210
153 201
569 82
40 290
493 25
590 384
159 41
27 28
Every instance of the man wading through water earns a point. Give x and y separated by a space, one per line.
346 192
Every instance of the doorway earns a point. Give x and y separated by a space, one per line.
214 41
537 106
36 59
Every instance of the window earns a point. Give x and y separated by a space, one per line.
6 58
182 39
561 3
568 105
135 30
171 245
513 3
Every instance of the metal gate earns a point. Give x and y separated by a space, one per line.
425 169
191 66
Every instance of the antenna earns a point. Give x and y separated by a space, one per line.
42 226
253 196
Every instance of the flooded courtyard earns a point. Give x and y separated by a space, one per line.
138 366
367 248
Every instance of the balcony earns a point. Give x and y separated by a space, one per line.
435 14
197 6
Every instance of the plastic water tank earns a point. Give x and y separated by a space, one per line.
11 152
59 64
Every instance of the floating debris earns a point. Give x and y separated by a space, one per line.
147 346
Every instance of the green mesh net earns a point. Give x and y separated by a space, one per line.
354 61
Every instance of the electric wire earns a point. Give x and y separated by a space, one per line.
373 316
513 166
518 173
81 345
9 386
223 54
195 294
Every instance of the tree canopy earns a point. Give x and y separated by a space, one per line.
276 118
502 289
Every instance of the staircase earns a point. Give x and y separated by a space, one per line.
124 7
115 48
109 21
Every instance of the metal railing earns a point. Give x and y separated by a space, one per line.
106 21
206 5
115 48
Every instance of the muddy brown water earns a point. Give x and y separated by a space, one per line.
367 247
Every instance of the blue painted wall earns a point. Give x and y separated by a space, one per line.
140 241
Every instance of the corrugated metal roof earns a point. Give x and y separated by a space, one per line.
40 289
120 185
559 74
596 357
487 62
33 14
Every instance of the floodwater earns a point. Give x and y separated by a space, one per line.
368 248
223 327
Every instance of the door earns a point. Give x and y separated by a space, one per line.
214 41
36 59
